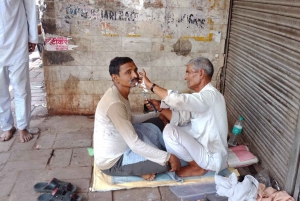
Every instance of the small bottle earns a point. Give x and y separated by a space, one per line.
236 131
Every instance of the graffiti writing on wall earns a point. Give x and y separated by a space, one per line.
95 13
187 18
91 13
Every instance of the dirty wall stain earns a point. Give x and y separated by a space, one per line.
182 47
70 89
57 57
49 26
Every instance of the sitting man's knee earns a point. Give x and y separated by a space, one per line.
170 132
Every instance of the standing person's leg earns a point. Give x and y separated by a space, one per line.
19 78
185 147
6 118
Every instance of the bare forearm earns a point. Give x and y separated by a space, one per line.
161 92
167 113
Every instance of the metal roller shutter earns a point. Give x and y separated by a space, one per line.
262 82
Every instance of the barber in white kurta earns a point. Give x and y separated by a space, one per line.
18 28
198 127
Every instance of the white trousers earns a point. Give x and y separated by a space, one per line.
180 143
18 76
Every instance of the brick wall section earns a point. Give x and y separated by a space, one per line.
161 36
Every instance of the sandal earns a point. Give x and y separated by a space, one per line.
58 195
43 187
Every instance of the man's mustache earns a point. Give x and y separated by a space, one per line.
134 80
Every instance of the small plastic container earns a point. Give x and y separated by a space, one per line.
194 192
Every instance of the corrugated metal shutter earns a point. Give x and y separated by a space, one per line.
262 81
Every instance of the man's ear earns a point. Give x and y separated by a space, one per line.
201 72
114 77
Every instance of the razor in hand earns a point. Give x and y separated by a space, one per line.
145 95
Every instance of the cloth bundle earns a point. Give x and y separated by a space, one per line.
271 194
237 191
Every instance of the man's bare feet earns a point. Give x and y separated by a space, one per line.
7 135
25 136
192 169
148 177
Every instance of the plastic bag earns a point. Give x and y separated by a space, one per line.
263 177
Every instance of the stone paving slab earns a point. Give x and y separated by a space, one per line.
3 158
96 196
167 194
45 141
73 139
7 180
71 173
61 158
30 155
80 157
24 185
5 146
25 165
72 143
25 196
65 124
5 198
137 194
18 145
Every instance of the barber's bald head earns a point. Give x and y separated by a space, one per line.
202 63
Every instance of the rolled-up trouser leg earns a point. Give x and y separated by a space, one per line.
6 118
19 79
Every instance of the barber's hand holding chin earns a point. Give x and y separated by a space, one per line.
146 80
175 163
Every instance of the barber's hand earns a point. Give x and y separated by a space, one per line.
31 47
174 162
156 104
147 82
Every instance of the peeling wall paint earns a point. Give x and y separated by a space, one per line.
82 36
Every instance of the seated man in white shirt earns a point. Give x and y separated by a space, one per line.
121 148
198 127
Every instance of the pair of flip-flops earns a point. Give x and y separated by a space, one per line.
56 190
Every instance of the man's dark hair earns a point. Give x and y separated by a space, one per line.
203 63
114 66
